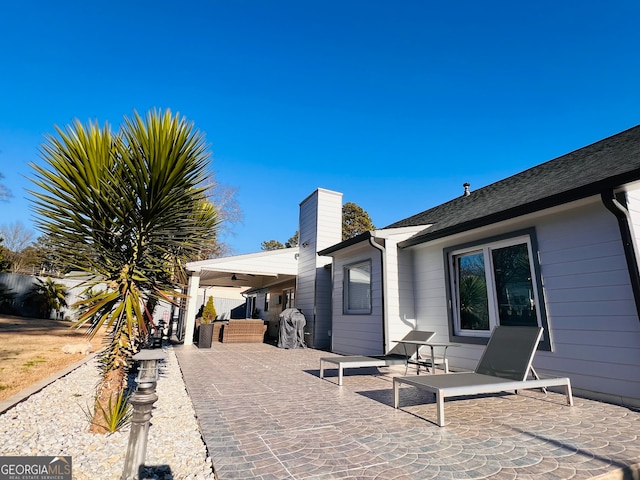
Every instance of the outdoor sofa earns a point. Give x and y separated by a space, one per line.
244 331
504 366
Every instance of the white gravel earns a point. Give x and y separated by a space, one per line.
52 422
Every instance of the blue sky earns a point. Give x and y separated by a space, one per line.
394 104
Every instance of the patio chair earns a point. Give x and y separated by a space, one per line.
356 361
504 366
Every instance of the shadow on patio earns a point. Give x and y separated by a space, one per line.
265 414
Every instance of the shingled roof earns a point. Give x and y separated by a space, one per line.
607 164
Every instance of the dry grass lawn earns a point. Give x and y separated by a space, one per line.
31 350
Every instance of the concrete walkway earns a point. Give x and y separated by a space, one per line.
265 414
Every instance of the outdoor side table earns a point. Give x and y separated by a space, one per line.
418 362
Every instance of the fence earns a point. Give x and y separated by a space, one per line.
20 285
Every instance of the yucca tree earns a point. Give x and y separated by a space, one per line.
129 208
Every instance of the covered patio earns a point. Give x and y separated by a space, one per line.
253 271
265 414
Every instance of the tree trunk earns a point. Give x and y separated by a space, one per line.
112 384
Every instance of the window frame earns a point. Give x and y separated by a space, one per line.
346 292
288 298
250 306
486 245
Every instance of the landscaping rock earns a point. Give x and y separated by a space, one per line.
53 422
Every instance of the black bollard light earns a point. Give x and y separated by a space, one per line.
142 402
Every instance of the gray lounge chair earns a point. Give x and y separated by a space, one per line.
393 358
504 366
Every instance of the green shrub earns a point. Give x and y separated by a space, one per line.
209 313
117 414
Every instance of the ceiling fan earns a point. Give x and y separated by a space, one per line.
235 278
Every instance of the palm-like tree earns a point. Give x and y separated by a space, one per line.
7 296
129 208
49 295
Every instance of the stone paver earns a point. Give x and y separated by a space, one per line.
265 414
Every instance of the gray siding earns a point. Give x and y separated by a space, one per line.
400 312
405 305
320 227
305 282
594 326
357 334
323 308
430 292
633 205
590 305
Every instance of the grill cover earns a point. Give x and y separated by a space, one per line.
291 334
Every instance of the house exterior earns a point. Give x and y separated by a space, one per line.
276 280
555 246
21 285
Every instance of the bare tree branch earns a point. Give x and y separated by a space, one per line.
16 239
225 201
5 193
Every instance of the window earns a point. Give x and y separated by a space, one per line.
289 298
266 301
494 283
251 303
357 288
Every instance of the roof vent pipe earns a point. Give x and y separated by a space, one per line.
466 186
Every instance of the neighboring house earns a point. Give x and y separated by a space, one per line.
555 246
226 298
21 285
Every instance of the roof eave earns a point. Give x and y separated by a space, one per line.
346 243
579 193
199 265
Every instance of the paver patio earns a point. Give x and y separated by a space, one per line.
265 414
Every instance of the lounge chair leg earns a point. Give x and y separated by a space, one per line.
535 375
396 394
440 404
340 375
568 393
321 369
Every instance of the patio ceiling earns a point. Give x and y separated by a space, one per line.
253 270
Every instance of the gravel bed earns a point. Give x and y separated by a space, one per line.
52 422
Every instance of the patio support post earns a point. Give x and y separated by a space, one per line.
192 309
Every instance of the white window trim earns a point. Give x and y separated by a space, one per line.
345 298
486 248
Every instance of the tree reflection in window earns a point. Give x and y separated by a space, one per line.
473 301
509 297
514 289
